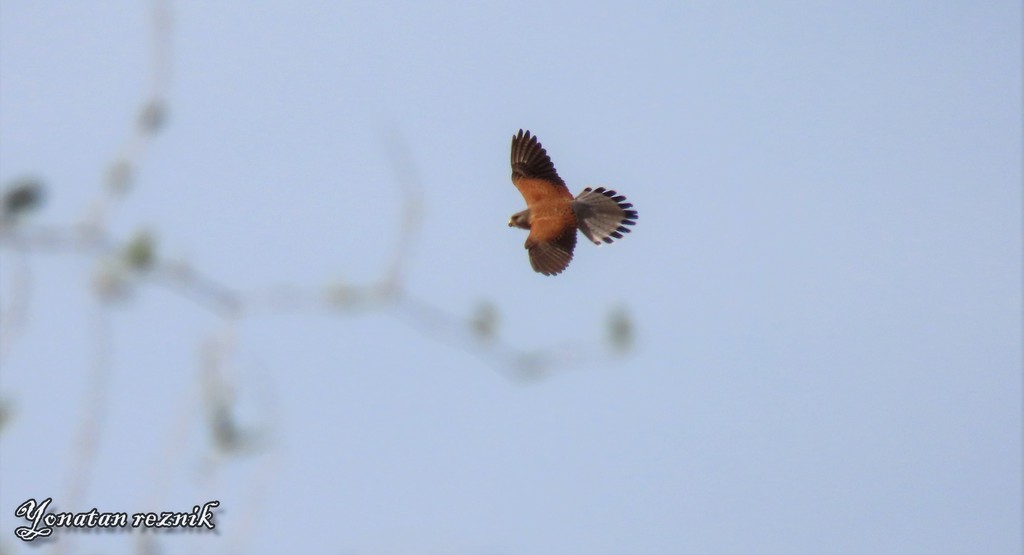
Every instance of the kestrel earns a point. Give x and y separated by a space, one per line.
552 214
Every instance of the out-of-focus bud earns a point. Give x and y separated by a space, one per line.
21 197
230 436
6 412
140 252
620 329
485 320
225 431
153 116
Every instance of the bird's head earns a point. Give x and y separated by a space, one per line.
520 220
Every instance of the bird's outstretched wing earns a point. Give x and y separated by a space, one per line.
552 222
533 173
551 257
602 215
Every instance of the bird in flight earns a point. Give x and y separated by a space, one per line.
552 215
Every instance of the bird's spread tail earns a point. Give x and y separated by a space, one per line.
602 215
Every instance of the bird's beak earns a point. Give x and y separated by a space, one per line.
510 224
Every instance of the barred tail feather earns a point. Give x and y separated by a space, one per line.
603 215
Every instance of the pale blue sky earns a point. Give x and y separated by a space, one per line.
825 277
